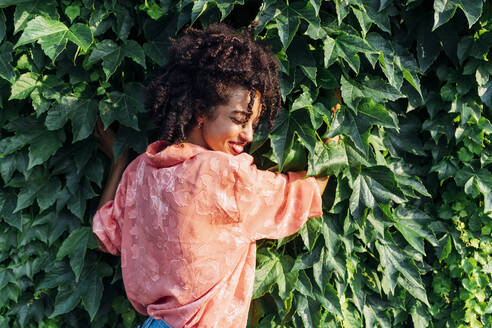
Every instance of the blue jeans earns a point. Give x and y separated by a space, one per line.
154 323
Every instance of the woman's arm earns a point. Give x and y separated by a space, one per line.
115 173
106 141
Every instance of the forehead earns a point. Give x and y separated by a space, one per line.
239 99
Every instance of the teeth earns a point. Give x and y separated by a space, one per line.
237 148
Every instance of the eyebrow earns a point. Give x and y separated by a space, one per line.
241 112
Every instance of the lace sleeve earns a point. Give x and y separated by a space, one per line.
274 205
106 221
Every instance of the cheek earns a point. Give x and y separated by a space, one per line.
223 132
217 135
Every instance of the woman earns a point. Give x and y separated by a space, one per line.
187 212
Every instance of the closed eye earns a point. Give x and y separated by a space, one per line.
239 121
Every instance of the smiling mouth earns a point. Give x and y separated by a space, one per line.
237 148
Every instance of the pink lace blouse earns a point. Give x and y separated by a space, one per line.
185 221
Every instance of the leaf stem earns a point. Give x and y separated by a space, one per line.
75 57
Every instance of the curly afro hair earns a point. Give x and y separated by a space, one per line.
203 68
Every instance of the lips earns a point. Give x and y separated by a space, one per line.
237 147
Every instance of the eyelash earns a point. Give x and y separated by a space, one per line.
235 120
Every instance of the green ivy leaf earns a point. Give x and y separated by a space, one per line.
3 27
374 185
94 171
82 113
484 181
81 35
420 316
53 35
43 147
300 55
304 130
6 69
157 37
485 93
7 209
48 195
327 160
445 10
345 46
375 12
42 27
154 11
374 314
428 47
154 49
379 114
66 300
123 107
28 194
83 116
282 137
8 3
75 247
307 11
5 277
303 311
446 248
269 271
226 6
287 25
267 12
57 274
342 9
111 55
198 9
124 22
24 85
394 262
412 224
357 130
133 50
92 293
72 12
310 232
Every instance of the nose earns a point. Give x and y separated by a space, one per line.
247 132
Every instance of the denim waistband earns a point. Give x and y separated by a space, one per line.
154 323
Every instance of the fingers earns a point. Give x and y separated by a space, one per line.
338 97
335 109
334 139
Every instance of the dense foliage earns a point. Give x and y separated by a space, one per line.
406 234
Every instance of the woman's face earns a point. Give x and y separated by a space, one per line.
231 128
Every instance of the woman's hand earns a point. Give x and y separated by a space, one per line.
334 110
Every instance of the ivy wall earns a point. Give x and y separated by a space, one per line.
405 239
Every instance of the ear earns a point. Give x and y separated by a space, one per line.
199 120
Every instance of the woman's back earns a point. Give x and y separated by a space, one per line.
186 231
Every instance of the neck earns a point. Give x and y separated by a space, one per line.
195 137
